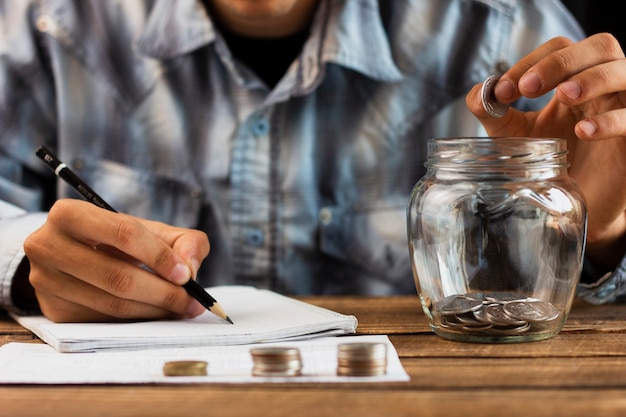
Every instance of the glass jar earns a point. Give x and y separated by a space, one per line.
496 232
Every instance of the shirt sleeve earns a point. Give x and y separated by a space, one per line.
15 226
597 287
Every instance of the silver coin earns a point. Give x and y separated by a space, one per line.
497 315
502 297
469 319
492 106
509 330
457 304
531 311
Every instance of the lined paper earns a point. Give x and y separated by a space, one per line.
258 315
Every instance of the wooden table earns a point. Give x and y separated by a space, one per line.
580 372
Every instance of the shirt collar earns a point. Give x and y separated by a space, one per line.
350 31
356 39
174 28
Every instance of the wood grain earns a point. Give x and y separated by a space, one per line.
580 372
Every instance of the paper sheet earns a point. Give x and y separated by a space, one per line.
28 363
259 316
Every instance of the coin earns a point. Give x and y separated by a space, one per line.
495 313
531 311
492 106
276 361
456 304
185 368
361 359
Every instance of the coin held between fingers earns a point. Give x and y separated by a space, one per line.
491 105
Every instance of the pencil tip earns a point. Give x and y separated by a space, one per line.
229 320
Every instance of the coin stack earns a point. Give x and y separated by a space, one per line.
361 359
185 368
497 314
276 361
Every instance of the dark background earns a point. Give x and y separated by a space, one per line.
600 16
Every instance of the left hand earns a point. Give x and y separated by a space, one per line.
589 110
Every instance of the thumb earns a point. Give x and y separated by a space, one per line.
512 122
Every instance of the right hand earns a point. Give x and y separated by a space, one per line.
90 264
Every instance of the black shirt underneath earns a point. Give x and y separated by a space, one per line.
269 58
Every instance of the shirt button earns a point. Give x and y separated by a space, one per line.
326 216
255 237
43 23
195 193
78 164
501 67
260 127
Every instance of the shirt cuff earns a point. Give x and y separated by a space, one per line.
597 288
14 230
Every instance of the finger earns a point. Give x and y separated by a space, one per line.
107 284
603 126
124 290
62 311
191 245
507 89
593 82
513 123
93 226
554 62
91 305
65 298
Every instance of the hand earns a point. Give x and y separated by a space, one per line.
589 110
90 264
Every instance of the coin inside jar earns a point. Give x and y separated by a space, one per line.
491 105
185 368
495 314
276 361
361 359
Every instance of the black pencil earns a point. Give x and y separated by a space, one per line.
64 172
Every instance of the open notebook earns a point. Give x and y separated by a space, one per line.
258 316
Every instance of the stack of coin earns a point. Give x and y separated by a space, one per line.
185 368
497 313
276 361
361 359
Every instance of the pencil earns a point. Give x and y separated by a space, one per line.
64 172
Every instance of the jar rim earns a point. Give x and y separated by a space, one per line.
498 139
473 152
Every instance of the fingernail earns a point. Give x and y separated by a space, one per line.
571 89
504 90
195 309
195 265
530 83
181 273
588 127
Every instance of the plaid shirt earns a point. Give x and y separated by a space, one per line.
302 187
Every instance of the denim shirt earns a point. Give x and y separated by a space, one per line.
301 187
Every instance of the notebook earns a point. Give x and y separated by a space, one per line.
259 316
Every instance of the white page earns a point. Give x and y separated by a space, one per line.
29 363
258 316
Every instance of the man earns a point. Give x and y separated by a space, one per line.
298 170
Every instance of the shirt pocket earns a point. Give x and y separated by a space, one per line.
371 238
174 201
